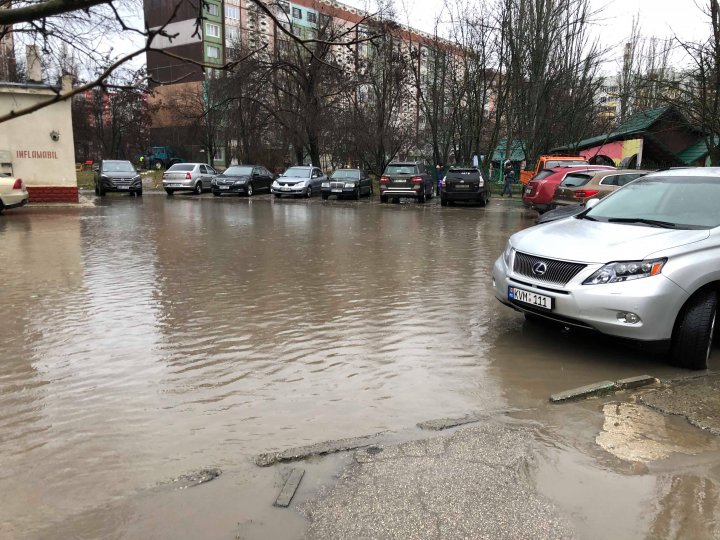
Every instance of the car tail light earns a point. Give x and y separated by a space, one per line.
18 184
188 176
416 179
384 180
444 181
581 194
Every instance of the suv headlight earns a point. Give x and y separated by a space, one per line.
508 254
481 183
240 182
616 272
325 184
350 184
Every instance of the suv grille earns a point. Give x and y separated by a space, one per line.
558 272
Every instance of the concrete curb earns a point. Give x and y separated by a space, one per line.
602 388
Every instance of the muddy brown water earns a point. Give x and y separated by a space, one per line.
146 338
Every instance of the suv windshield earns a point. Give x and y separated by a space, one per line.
238 170
401 168
118 166
298 172
543 174
565 163
576 180
179 167
683 202
347 173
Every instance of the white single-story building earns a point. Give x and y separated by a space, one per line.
38 147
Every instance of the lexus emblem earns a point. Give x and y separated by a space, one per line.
539 268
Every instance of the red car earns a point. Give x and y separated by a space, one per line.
539 192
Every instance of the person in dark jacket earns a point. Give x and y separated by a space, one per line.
509 176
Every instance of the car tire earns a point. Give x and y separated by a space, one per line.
96 190
216 193
101 191
483 201
383 199
249 190
308 193
138 193
356 194
421 197
197 190
443 201
169 191
693 332
325 196
277 195
2 207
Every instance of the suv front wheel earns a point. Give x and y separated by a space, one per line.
693 334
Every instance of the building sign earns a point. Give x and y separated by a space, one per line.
36 154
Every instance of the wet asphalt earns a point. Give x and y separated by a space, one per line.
150 341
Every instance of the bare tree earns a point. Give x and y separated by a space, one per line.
697 94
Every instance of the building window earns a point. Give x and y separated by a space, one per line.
311 17
285 6
213 52
232 36
283 45
232 12
212 9
296 30
297 14
212 30
324 19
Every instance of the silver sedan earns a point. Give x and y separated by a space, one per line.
195 177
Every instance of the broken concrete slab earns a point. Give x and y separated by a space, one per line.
635 382
596 389
319 449
695 398
290 487
446 423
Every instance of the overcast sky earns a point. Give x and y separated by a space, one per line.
658 18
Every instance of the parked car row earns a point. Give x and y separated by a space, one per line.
399 180
642 263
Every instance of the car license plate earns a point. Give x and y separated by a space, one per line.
123 187
224 187
285 188
527 297
336 190
462 186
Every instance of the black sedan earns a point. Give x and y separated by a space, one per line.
242 180
349 182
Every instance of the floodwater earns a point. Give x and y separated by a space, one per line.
144 339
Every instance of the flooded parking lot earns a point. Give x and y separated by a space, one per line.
146 338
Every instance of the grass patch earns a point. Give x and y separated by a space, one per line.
85 179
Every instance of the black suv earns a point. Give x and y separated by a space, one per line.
464 184
117 175
406 179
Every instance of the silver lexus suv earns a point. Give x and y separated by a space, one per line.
643 264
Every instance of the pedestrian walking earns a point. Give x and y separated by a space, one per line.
509 174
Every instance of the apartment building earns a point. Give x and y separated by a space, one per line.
228 25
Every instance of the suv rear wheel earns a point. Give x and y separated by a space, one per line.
693 333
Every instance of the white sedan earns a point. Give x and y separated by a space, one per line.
12 192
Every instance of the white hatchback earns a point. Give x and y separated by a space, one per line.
12 192
642 264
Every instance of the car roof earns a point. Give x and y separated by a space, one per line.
689 171
404 163
116 161
347 169
303 167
